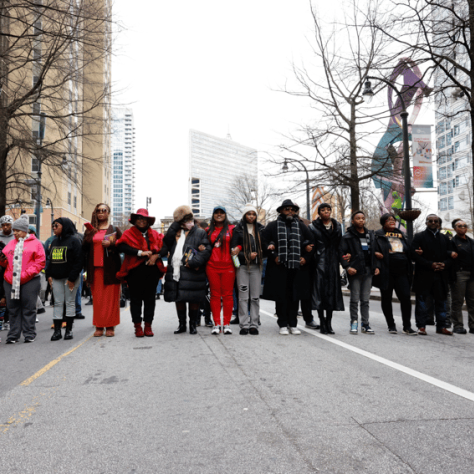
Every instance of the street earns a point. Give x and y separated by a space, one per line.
237 404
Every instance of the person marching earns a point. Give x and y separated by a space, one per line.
247 242
102 264
462 286
287 278
141 268
63 272
396 272
361 267
188 251
23 259
327 293
220 269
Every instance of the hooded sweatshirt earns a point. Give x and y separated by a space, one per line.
6 239
65 253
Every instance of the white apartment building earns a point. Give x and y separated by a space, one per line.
214 165
123 164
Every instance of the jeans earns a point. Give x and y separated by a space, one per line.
359 286
63 295
248 281
438 294
79 294
462 288
401 285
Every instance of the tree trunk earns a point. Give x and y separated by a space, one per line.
354 181
471 104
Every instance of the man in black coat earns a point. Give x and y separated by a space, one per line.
287 279
432 263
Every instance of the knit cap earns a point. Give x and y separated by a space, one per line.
21 223
249 207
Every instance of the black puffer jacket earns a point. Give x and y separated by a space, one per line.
191 286
65 257
238 240
350 243
327 293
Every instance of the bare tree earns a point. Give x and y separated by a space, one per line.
52 57
337 146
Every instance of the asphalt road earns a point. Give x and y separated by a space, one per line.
237 404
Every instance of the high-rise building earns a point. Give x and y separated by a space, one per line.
214 166
123 165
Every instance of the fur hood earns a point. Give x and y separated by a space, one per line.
180 212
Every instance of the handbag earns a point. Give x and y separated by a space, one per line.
343 278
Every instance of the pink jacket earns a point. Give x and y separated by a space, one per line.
33 262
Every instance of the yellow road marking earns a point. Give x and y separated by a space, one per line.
51 364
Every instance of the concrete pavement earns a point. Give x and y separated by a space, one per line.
241 404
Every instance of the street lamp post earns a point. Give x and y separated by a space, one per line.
285 169
50 203
148 201
38 181
368 94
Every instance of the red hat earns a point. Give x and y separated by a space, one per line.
142 213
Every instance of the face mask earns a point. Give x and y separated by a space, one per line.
189 225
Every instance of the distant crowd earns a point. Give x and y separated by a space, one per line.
216 269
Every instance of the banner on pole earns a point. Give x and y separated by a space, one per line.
422 153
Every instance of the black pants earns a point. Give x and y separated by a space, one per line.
287 309
142 282
307 310
401 285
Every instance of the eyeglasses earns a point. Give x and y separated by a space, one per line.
462 226
289 209
102 211
433 221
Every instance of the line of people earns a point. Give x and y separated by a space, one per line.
302 268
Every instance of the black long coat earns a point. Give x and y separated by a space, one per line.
191 286
436 248
327 293
275 275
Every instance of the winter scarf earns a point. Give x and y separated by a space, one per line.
289 250
178 255
18 257
134 238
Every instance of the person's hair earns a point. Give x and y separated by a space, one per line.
247 247
203 224
323 206
89 234
225 228
385 217
455 222
355 214
432 215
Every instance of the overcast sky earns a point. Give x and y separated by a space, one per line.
210 65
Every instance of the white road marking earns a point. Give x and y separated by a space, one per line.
401 368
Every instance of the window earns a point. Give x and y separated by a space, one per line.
442 173
450 170
195 211
195 182
451 186
195 191
460 180
441 142
443 204
451 202
34 165
457 130
443 189
461 162
457 146
442 159
449 138
75 202
440 127
69 198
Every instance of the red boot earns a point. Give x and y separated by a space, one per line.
139 330
148 331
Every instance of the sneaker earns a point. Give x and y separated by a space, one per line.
11 341
459 330
367 329
40 311
312 325
354 327
29 339
410 332
79 316
244 332
422 332
392 330
6 326
444 331
253 331
227 330
216 330
284 331
295 331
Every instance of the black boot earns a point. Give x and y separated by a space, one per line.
235 320
182 321
322 323
208 321
328 324
194 314
57 330
68 333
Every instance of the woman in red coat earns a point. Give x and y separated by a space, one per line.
220 269
103 262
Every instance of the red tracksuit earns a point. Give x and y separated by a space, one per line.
220 272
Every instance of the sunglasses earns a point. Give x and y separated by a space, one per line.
102 211
462 226
289 209
433 221
55 225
